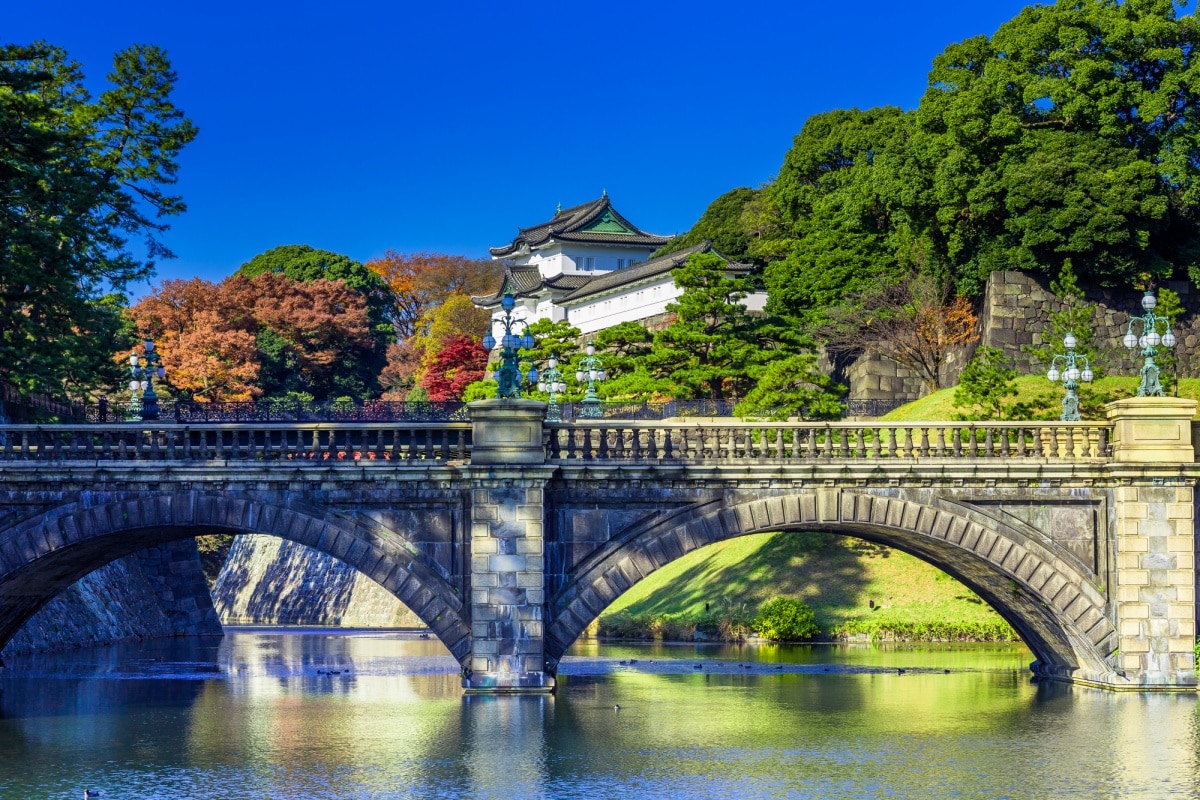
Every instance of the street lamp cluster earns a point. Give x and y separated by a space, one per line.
1149 340
1071 375
552 383
143 369
591 368
509 376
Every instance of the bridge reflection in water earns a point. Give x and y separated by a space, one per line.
508 535
260 715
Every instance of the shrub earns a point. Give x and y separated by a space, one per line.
785 619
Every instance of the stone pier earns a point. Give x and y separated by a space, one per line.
507 574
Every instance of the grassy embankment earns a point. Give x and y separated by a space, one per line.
854 587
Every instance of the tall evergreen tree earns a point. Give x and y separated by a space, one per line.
79 177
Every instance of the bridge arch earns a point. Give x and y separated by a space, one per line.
1053 604
44 553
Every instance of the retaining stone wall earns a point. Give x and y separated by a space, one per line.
270 581
1016 314
158 592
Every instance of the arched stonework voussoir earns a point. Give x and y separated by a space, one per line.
1051 603
43 554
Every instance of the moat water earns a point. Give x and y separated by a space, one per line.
314 714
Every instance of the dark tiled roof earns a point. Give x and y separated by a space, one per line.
569 225
527 281
651 269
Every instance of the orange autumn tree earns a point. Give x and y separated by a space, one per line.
244 338
309 334
205 338
421 281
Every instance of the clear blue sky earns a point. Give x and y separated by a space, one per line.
363 126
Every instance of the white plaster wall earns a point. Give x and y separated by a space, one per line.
639 302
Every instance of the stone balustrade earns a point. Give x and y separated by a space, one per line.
617 440
297 442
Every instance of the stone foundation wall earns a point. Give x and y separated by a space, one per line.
270 581
1016 314
158 592
1017 308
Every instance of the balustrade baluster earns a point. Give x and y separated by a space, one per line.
668 444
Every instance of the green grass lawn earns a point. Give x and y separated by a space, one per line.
1038 396
853 587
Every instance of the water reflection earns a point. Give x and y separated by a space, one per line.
323 715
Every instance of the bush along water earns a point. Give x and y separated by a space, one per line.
729 624
925 631
785 619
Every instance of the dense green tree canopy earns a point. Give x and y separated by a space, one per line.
721 223
79 178
840 227
1072 133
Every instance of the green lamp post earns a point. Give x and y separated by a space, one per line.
1071 375
1149 342
552 382
509 375
591 369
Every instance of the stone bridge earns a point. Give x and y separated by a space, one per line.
508 535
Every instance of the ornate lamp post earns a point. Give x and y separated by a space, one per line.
552 382
1071 376
144 369
509 374
591 369
1149 341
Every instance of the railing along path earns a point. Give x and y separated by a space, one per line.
298 443
628 441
